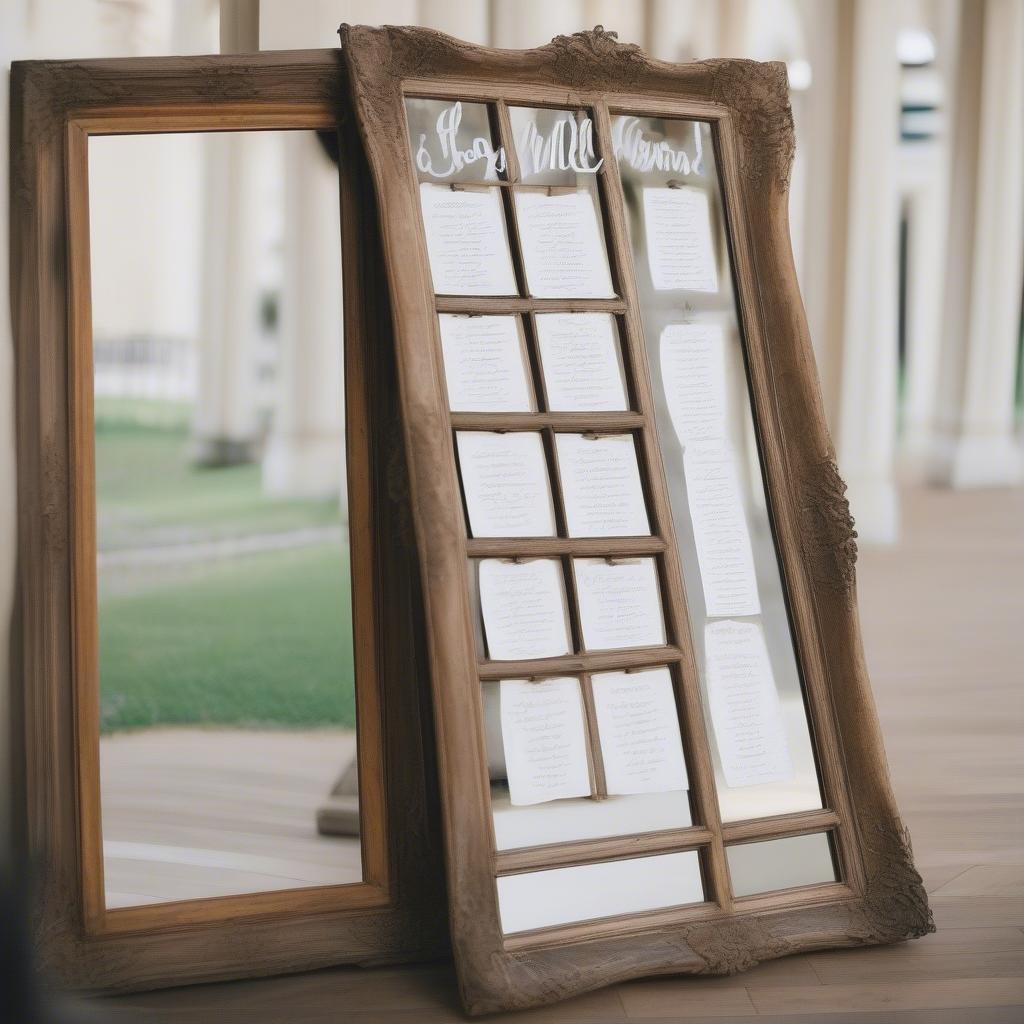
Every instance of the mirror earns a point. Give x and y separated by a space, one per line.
739 622
781 864
226 675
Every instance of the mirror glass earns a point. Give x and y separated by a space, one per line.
543 899
227 699
781 864
753 697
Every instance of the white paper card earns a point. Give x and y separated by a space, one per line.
545 740
563 246
620 603
744 704
523 608
582 362
601 486
639 732
693 376
466 241
720 529
505 481
680 252
485 364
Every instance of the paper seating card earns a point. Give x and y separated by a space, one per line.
620 603
545 740
680 251
720 531
505 481
601 485
639 732
693 377
523 608
582 362
563 246
485 364
744 705
466 241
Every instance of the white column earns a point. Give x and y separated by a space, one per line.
975 444
852 243
225 424
519 24
464 19
625 17
305 454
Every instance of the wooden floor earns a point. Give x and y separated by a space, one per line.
944 623
197 813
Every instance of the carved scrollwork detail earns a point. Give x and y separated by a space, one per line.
829 539
758 95
728 947
577 58
895 901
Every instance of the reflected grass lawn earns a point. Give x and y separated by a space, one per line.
261 640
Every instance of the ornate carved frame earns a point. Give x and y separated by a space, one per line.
881 898
394 914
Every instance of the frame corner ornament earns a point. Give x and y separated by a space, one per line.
829 537
734 946
895 901
758 95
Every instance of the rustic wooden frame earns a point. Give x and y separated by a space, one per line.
880 897
393 913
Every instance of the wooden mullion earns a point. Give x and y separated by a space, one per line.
596 756
781 826
555 547
573 664
497 304
573 422
506 139
589 851
674 597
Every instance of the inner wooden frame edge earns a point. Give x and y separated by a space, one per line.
374 889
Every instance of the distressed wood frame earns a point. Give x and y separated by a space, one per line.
394 914
880 898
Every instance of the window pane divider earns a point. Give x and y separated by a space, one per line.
574 664
589 851
493 305
779 826
597 422
578 547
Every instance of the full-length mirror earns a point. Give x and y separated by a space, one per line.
227 690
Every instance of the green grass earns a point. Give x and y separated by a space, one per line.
263 639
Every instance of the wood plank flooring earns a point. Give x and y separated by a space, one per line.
943 618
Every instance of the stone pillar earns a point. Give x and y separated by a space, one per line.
524 23
464 19
851 244
225 426
974 443
305 453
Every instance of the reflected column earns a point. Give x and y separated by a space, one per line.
225 426
305 454
974 440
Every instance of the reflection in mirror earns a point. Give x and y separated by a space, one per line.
227 703
573 759
781 864
753 696
542 899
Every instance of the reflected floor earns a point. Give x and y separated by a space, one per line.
190 813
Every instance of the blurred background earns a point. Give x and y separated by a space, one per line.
907 219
